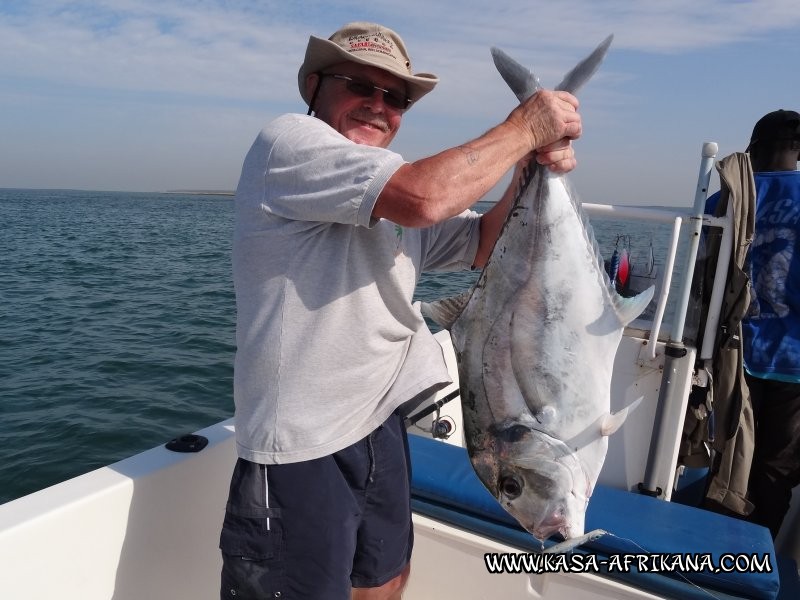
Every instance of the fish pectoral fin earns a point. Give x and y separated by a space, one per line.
628 309
612 422
444 312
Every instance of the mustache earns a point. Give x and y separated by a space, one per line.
371 119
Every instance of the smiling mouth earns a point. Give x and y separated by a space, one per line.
371 123
378 126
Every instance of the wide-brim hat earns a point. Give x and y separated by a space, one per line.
777 125
367 44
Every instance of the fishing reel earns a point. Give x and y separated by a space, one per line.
442 427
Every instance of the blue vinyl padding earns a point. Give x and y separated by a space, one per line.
445 487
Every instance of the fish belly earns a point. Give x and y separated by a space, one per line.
537 340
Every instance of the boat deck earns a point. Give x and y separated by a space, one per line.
657 533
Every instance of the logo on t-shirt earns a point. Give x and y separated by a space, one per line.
398 248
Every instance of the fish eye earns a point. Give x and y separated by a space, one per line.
511 487
515 433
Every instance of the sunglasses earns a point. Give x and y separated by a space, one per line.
365 89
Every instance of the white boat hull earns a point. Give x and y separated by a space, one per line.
148 527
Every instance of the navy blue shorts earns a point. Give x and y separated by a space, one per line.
315 529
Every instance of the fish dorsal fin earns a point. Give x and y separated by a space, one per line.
612 422
628 309
444 312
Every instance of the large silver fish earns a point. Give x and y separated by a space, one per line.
535 341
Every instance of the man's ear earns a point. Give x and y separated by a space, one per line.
312 81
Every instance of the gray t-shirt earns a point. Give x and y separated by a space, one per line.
329 343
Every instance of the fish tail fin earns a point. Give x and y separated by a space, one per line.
444 312
583 71
525 84
614 421
628 309
522 82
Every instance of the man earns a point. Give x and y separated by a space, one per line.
771 328
332 232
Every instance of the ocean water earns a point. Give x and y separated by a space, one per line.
117 319
116 327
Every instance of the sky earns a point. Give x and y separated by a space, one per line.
157 95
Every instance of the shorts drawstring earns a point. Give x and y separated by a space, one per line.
371 453
266 491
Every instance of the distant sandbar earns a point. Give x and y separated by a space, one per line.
202 192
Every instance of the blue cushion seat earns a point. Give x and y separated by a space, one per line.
445 487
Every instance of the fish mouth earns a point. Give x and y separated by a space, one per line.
555 523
